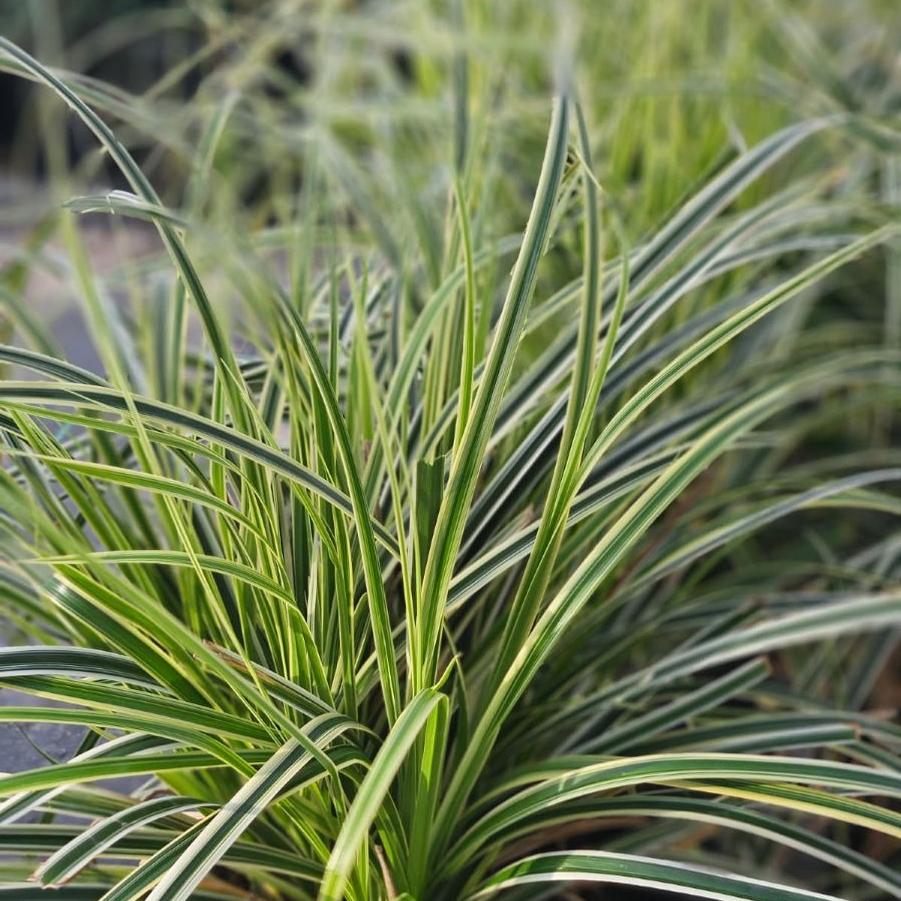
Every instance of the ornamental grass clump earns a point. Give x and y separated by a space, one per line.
444 517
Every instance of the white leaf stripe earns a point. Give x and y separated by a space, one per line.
69 859
667 769
467 462
647 872
226 826
373 789
722 813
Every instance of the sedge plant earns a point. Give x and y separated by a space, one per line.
452 513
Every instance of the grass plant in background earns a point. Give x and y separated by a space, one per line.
487 482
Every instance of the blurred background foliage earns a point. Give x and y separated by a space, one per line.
353 109
671 86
